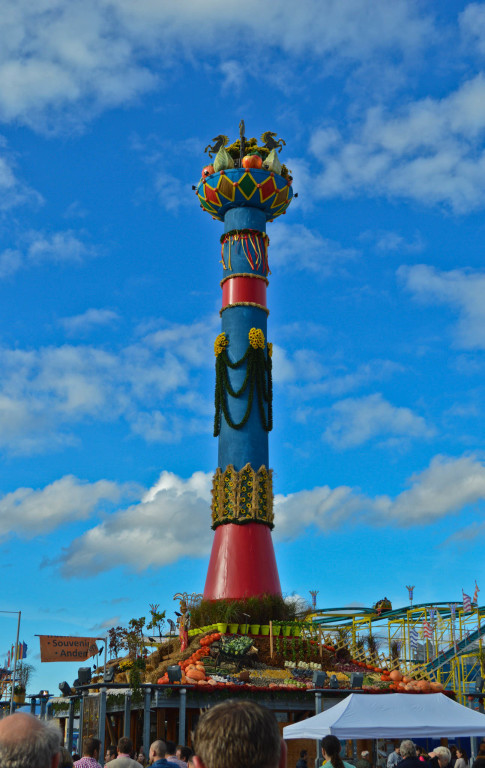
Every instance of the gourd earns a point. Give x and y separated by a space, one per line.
208 170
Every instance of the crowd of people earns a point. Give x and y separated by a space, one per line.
236 734
162 754
233 734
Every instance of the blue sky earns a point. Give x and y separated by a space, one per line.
109 299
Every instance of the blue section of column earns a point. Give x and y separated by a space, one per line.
249 444
245 218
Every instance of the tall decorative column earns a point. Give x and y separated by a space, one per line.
243 562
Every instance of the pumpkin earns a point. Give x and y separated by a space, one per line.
436 687
424 686
196 674
208 170
396 676
252 161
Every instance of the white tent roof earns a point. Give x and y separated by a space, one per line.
409 715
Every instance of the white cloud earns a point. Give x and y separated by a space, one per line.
338 381
472 25
388 241
88 320
431 151
175 514
189 341
355 421
81 57
30 512
13 191
10 262
149 385
295 247
57 247
464 290
34 248
444 488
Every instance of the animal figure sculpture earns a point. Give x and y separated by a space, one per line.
219 141
271 143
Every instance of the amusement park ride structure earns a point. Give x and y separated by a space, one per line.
427 641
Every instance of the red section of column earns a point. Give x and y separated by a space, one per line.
242 563
244 289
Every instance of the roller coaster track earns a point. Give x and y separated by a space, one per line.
344 617
330 615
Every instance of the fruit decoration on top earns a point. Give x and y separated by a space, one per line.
245 173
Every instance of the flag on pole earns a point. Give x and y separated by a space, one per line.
8 660
22 651
410 592
432 612
475 594
413 637
467 602
427 630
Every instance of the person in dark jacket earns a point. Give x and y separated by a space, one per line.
408 754
479 761
157 754
302 763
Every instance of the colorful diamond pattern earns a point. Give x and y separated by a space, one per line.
281 197
267 189
211 195
226 188
247 185
239 187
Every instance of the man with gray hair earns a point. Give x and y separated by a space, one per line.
408 754
26 742
439 757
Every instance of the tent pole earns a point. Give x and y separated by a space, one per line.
318 709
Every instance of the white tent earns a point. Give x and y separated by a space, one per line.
406 715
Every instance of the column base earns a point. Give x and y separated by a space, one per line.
242 563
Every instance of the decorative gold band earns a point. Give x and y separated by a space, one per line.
244 304
242 497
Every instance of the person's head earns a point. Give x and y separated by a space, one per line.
184 753
171 748
452 749
419 750
397 750
407 748
65 758
111 754
241 734
125 746
158 750
91 747
331 751
462 753
481 750
365 754
26 742
443 754
303 753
